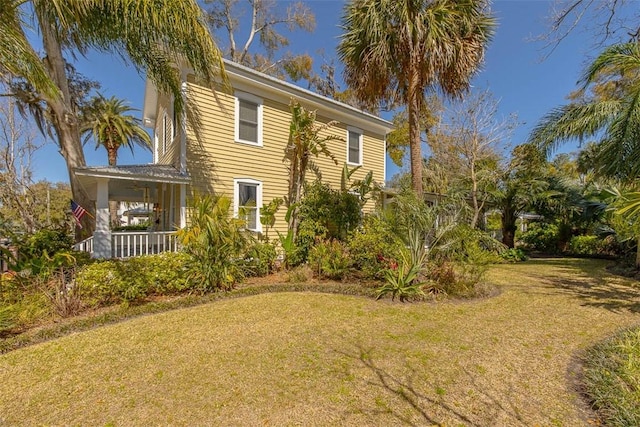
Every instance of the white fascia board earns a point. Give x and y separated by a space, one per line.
150 104
251 81
248 80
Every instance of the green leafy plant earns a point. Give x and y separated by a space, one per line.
289 249
58 282
592 245
513 255
260 259
541 236
330 259
403 281
337 212
373 247
215 243
134 279
268 215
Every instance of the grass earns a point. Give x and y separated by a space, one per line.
307 358
612 378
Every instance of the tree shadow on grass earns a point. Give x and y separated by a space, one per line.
590 283
416 406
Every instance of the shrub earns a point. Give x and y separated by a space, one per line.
309 232
337 212
300 274
541 236
513 255
456 279
57 281
373 247
134 279
260 259
50 241
21 302
592 245
215 244
330 259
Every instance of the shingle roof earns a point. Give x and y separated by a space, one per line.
150 172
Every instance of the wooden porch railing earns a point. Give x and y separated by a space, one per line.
126 244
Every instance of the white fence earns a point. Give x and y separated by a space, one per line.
126 244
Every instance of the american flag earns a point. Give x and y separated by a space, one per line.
78 212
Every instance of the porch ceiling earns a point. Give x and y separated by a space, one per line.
130 182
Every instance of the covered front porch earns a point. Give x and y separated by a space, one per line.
160 189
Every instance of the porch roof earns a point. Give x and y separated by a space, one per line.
147 173
135 183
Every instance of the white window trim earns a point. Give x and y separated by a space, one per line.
164 133
361 139
249 98
236 199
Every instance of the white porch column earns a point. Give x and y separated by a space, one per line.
183 205
102 234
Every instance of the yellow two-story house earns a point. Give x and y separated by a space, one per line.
234 144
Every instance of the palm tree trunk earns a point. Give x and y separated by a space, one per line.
638 254
112 155
415 143
64 121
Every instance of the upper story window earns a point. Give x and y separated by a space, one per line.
248 119
247 201
354 146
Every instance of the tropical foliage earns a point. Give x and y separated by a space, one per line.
615 113
214 242
394 51
107 122
154 39
307 140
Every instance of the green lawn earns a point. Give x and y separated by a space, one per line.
320 359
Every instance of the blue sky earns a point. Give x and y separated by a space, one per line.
514 71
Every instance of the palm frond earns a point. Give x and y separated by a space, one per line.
573 122
16 53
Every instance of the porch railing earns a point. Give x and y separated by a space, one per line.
125 244
85 246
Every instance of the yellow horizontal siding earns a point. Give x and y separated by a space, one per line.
217 159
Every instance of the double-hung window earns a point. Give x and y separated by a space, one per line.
247 202
248 119
354 146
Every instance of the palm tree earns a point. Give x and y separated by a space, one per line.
111 128
155 39
394 51
614 114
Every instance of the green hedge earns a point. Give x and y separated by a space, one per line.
592 246
134 279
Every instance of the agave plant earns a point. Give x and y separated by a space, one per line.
403 282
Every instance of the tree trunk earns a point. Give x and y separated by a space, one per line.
64 121
112 155
508 222
638 254
474 198
414 98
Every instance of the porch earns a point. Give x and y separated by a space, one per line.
160 188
